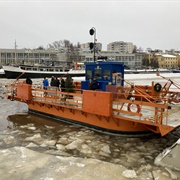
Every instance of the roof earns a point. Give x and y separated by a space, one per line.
168 56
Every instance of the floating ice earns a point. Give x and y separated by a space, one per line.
75 144
9 139
129 174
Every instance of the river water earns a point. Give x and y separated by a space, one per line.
40 134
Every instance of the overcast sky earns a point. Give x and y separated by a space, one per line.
153 24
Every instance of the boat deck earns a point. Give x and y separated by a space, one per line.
120 107
147 115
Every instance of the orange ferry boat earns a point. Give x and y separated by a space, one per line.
116 106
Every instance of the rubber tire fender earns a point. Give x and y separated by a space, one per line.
157 87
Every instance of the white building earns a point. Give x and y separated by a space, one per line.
121 46
132 60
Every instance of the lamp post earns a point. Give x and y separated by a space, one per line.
92 31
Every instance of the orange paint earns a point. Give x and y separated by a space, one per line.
97 102
24 91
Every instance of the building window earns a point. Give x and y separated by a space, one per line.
30 55
9 55
19 55
3 55
36 55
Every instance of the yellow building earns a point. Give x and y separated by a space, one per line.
167 61
178 57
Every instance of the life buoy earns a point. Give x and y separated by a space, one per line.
134 108
157 87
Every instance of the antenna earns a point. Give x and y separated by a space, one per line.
15 46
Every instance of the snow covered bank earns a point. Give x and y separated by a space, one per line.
141 76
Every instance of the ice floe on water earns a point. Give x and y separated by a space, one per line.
23 163
77 151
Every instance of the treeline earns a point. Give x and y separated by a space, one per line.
61 44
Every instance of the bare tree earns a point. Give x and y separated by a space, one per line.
40 48
72 51
57 44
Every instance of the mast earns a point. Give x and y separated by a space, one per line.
15 46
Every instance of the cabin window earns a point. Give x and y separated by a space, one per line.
89 74
106 74
119 79
97 73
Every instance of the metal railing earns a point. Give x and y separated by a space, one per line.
54 96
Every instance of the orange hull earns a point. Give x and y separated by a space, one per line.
110 124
